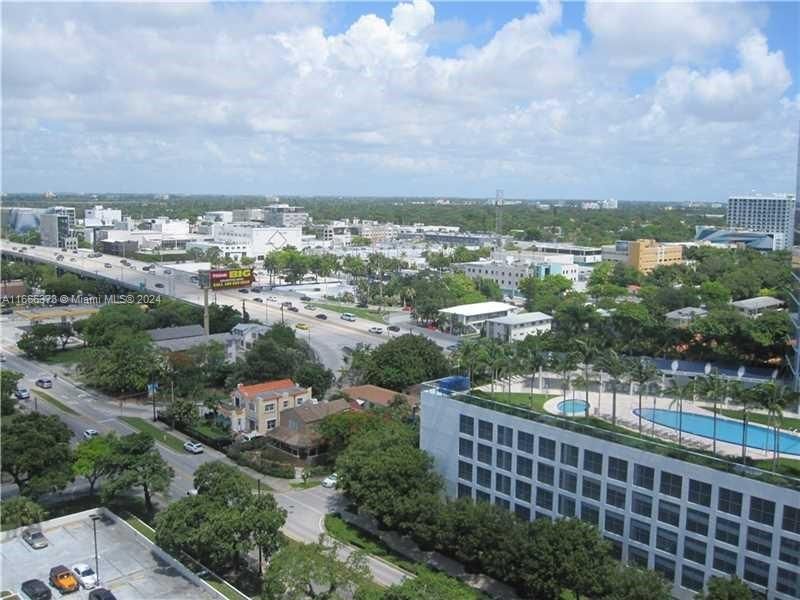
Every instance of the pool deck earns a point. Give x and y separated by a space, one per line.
601 406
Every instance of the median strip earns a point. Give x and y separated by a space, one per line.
165 438
57 403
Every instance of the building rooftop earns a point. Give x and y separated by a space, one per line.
478 308
269 388
178 344
174 333
374 394
522 318
757 303
686 313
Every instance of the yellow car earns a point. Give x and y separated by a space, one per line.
302 326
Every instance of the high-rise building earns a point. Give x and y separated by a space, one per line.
769 214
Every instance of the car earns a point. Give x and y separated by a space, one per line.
85 576
34 538
167 272
101 594
73 259
194 279
44 382
257 299
90 433
36 589
348 317
244 291
393 328
2 358
22 393
159 285
272 298
108 265
309 307
193 447
63 579
293 309
321 316
302 326
317 289
7 310
286 303
74 251
376 329
59 258
257 289
330 481
305 298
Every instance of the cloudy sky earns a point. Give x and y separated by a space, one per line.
635 101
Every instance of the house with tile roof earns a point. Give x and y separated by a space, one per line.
258 407
298 435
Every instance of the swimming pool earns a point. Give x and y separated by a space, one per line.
572 407
728 430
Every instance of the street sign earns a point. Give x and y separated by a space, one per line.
220 279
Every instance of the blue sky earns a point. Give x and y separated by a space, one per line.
634 101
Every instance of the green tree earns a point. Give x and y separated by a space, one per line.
221 319
221 483
544 294
314 375
19 512
90 458
722 588
642 372
39 343
265 519
135 462
404 361
302 571
428 585
103 327
36 453
337 430
126 364
8 386
630 583
613 365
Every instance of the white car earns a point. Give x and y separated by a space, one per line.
193 447
378 330
85 576
2 358
90 433
330 481
22 393
272 298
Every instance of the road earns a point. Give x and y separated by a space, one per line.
327 337
306 509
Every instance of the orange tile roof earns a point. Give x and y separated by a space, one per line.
258 388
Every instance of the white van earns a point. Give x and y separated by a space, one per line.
348 317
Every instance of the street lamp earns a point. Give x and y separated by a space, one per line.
95 518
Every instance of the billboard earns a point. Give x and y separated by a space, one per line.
220 279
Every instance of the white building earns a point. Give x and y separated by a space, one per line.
469 318
217 216
768 214
99 216
508 274
236 240
518 326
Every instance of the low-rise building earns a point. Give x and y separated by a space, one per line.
470 318
297 434
366 396
755 307
518 326
242 338
682 317
258 407
738 238
509 273
646 255
283 215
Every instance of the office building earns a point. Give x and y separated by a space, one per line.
470 318
687 516
508 273
99 216
768 214
644 255
283 215
518 326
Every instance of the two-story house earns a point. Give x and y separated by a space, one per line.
242 338
258 407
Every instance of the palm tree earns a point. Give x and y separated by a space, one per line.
677 391
746 398
613 364
564 364
712 388
494 360
532 355
588 352
641 372
774 399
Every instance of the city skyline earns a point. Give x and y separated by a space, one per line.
408 99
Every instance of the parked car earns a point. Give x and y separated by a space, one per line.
108 265
90 433
193 447
376 329
167 272
305 298
272 298
244 291
22 393
257 299
256 288
293 309
73 259
348 317
85 576
286 303
302 326
63 579
393 328
44 382
159 285
330 481
101 594
321 316
309 307
35 589
34 538
7 310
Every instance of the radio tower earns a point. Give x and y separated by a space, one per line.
498 216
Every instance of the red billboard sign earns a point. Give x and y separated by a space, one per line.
220 279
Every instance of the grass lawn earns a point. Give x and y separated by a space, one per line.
517 399
761 419
307 485
161 436
141 527
362 313
67 357
57 403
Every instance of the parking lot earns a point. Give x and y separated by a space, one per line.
130 566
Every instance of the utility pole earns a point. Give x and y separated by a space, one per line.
94 519
206 324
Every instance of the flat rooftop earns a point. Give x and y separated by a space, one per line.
522 318
757 303
478 308
130 565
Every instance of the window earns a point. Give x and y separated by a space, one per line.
465 447
523 512
696 521
590 514
671 484
503 459
505 436
502 483
591 488
524 467
484 477
545 473
791 519
271 424
566 506
544 498
669 513
727 531
593 462
762 510
694 550
466 425
568 481
485 454
616 548
756 571
465 470
759 541
617 469
642 504
643 476
522 491
790 551
547 448
699 492
638 557
464 491
666 567
569 455
666 540
502 503
639 531
482 496
615 523
725 560
525 442
730 501
615 496
285 404
789 583
691 578
485 430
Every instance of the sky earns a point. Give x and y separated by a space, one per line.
643 101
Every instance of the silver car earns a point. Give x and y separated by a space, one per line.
35 539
